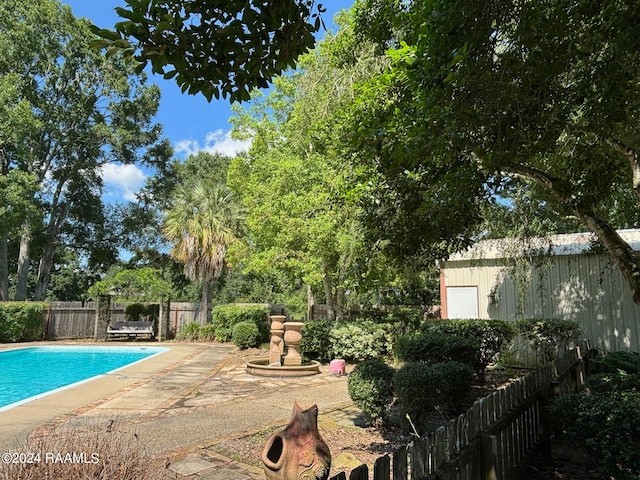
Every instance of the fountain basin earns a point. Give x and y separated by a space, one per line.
261 367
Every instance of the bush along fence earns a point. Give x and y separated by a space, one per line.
496 434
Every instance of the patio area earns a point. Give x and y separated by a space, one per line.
178 403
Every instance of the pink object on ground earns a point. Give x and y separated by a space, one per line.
337 366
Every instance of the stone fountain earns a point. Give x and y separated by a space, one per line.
284 360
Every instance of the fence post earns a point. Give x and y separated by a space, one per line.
46 334
488 454
103 311
545 420
163 321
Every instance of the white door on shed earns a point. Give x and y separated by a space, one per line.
462 302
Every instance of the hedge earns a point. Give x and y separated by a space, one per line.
492 337
421 387
316 340
370 387
360 340
246 335
22 321
225 317
432 347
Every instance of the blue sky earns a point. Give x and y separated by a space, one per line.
190 122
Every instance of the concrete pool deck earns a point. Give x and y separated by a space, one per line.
179 403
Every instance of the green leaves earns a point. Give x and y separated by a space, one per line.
479 93
205 220
65 112
142 284
221 49
547 336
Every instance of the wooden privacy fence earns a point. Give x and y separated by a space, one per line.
493 436
71 320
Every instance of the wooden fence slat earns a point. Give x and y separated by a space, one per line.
488 450
360 473
339 476
382 468
400 464
419 458
440 449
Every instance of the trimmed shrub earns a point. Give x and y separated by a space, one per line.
225 317
246 335
431 348
316 340
548 336
360 341
189 331
420 387
22 321
491 336
606 427
370 387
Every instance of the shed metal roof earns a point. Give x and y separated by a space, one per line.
562 244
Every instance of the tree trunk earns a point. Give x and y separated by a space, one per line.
625 257
58 215
328 293
340 307
4 253
205 313
634 163
44 272
4 271
310 303
23 262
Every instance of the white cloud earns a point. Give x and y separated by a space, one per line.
124 180
218 141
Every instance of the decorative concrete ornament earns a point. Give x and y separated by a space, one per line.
298 452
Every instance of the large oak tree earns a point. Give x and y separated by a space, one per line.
70 111
481 93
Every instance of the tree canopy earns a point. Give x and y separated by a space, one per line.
301 189
204 221
69 111
215 48
482 93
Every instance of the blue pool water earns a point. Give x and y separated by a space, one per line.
29 373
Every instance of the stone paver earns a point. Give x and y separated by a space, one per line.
191 466
225 474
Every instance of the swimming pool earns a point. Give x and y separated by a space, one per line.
33 372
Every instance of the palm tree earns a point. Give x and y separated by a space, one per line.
205 220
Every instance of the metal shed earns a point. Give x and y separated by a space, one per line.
561 276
